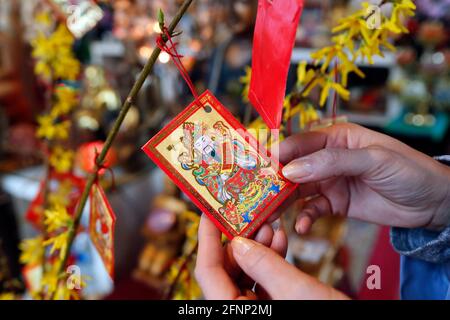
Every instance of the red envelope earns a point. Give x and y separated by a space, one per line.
220 166
102 222
273 41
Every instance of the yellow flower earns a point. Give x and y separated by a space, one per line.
50 130
43 69
46 128
305 77
32 251
43 18
63 292
60 197
41 46
66 67
58 243
346 68
50 280
327 54
301 71
313 80
327 85
67 98
186 286
306 114
61 160
245 80
7 296
56 218
369 50
62 36
353 25
54 55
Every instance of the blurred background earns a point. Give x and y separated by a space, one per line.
405 94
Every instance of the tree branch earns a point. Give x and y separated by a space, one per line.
113 133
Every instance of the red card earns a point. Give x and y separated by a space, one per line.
101 227
220 166
273 41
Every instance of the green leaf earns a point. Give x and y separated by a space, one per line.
161 17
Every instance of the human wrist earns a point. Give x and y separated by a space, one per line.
440 219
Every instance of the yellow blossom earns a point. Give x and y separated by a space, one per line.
328 85
402 8
43 18
58 243
50 280
354 25
57 218
66 98
187 287
66 292
245 80
63 292
61 160
305 76
369 50
326 55
7 296
67 67
301 72
316 79
306 114
43 69
54 55
345 69
49 129
32 251
63 37
41 46
60 197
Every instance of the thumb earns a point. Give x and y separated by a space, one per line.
330 163
280 279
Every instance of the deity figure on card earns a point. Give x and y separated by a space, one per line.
225 166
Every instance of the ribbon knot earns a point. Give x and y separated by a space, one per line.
103 167
171 50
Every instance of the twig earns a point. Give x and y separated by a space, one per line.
113 133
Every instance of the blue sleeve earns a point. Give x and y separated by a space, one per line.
422 244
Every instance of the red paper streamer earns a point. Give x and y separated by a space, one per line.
273 41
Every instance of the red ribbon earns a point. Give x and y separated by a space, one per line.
171 50
273 41
104 167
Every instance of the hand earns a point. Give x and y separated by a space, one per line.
230 271
359 173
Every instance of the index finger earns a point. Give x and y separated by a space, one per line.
301 144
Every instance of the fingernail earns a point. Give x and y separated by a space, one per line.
297 170
241 245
